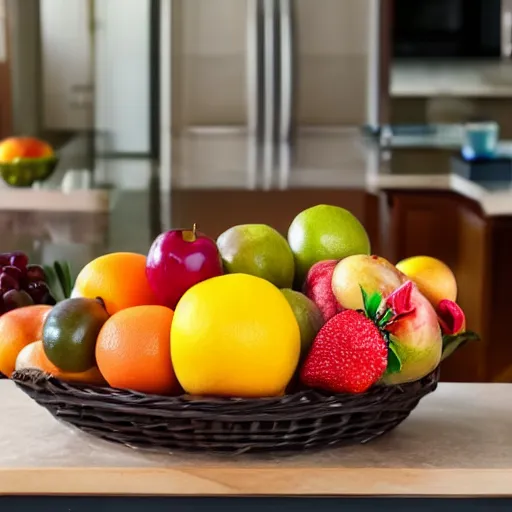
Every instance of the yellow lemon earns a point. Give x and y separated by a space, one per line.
234 335
433 278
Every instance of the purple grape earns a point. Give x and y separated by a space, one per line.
38 291
5 259
49 300
35 273
14 299
8 283
19 259
14 272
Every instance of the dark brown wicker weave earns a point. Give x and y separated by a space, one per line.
294 422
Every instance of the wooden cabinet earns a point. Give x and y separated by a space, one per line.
479 250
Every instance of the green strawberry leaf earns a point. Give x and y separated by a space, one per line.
59 280
64 273
365 299
394 361
454 341
53 283
371 303
385 318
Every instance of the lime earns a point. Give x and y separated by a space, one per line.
325 232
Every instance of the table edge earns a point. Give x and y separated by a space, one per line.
258 481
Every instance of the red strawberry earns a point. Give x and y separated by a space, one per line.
349 354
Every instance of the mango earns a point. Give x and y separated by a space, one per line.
434 278
15 148
415 334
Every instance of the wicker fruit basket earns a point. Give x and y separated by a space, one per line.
295 422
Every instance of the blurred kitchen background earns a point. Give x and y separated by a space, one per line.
220 112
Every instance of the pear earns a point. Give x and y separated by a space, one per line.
257 250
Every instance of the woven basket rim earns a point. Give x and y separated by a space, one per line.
296 405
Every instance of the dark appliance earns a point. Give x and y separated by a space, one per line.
447 28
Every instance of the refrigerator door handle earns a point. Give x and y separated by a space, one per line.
254 63
269 73
286 69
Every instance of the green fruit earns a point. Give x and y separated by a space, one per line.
325 232
308 316
70 332
258 250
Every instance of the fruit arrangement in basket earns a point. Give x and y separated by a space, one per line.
250 315
252 341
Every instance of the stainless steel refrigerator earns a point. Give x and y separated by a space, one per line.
276 68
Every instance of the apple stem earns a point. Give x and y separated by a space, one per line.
194 229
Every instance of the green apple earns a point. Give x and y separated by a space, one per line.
258 250
325 232
308 316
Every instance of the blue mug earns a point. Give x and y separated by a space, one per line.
481 140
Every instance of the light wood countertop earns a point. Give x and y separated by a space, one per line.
458 442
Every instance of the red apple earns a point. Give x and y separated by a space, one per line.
179 259
318 287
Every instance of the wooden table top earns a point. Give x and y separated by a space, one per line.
458 442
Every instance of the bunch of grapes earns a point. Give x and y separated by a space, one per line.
21 284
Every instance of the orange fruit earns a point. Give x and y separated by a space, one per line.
132 350
23 147
33 356
434 279
235 335
119 279
19 328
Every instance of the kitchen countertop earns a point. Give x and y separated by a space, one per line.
494 198
425 78
338 159
456 443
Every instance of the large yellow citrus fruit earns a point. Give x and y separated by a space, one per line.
434 279
234 335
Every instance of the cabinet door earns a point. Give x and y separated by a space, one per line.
445 226
423 224
66 64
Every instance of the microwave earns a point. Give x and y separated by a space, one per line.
448 28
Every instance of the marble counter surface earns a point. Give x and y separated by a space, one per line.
456 443
495 199
337 159
425 78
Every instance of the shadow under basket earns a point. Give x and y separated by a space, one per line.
290 423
